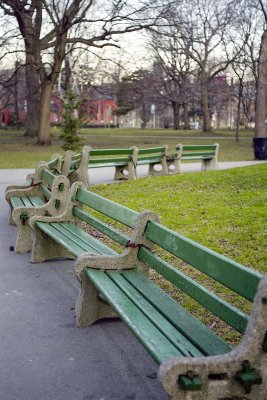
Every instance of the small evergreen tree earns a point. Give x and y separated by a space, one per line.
70 123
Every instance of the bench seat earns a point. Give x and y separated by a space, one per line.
164 327
74 239
26 201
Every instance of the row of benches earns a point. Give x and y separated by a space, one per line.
158 159
195 363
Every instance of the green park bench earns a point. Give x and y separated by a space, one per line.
155 158
208 154
123 160
44 196
195 363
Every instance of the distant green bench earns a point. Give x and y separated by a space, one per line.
46 195
123 160
207 154
195 363
155 158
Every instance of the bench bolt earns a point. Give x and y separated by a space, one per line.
190 382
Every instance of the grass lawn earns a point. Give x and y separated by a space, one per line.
16 151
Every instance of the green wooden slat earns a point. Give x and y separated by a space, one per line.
26 201
197 147
45 191
153 340
109 160
85 240
151 150
196 332
228 272
37 201
175 337
67 243
114 210
47 176
149 160
225 311
199 157
112 233
111 152
198 154
108 165
16 202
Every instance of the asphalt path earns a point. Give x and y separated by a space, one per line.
43 355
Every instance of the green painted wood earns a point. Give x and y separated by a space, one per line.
106 229
172 334
197 333
151 150
222 309
197 147
26 201
16 202
45 191
151 160
233 275
198 157
60 238
198 154
107 165
152 339
116 211
111 152
83 239
47 176
109 160
37 201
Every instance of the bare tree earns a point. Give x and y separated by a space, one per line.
49 27
204 27
172 70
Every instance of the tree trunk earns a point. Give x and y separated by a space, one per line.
176 118
44 137
260 130
33 90
186 117
205 104
240 95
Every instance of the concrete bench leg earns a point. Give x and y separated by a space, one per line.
90 307
44 248
125 172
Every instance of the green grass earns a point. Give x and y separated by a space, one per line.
17 151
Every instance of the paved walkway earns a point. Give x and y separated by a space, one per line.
43 355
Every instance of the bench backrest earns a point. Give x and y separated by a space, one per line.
196 150
106 156
108 208
222 270
46 182
153 154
